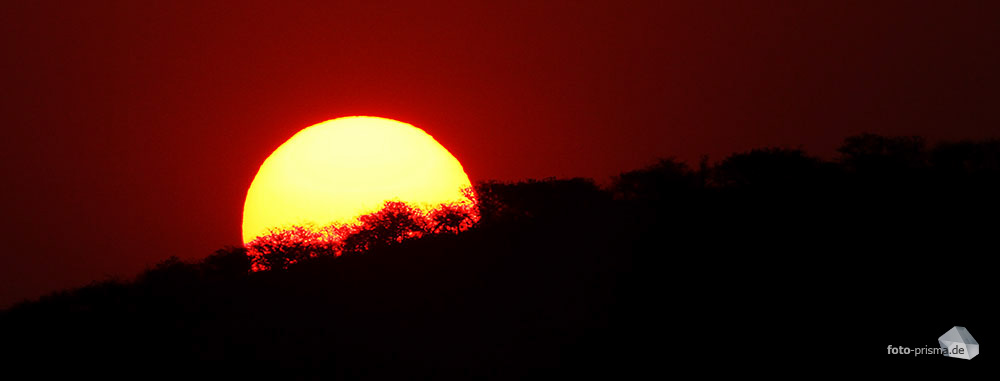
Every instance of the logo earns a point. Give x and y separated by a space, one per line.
959 343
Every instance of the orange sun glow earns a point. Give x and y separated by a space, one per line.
335 171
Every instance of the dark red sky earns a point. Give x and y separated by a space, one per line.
132 131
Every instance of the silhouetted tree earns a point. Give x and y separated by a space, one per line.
767 168
451 219
282 247
967 157
490 201
546 198
665 180
557 269
455 217
169 272
229 262
395 222
870 153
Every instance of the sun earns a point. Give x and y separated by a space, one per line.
335 171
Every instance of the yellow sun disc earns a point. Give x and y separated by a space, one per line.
335 171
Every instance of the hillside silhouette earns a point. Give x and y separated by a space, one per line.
561 277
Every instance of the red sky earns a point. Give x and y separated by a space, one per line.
132 130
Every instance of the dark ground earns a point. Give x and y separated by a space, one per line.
766 262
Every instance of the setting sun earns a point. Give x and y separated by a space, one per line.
338 170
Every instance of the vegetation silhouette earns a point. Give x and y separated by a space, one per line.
282 247
562 277
394 223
